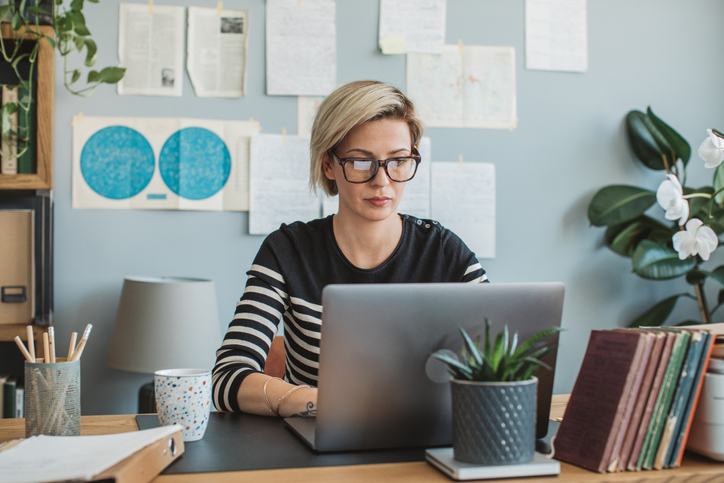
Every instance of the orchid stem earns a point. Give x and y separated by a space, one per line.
701 300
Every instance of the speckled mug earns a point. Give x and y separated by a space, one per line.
183 396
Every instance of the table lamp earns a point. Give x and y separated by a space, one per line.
164 323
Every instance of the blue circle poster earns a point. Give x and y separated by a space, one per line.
194 163
117 162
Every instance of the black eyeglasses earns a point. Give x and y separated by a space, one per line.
361 170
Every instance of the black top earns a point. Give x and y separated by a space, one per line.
286 280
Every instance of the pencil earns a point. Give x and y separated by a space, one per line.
73 338
51 341
22 348
46 349
31 343
81 345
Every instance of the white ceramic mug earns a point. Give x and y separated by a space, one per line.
183 396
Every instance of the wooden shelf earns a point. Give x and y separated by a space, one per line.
8 332
45 117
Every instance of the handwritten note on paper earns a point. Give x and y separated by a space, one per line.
463 200
150 47
412 26
301 47
556 35
279 183
416 200
216 49
473 86
306 109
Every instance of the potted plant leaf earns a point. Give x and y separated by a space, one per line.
494 396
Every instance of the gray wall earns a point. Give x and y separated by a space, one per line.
570 141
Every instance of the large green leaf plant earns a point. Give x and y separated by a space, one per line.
679 246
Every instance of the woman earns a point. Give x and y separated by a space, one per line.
363 148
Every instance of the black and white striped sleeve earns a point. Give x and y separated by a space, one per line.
475 273
248 338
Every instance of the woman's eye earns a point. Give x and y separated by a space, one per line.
362 164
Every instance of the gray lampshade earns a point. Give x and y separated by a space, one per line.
165 323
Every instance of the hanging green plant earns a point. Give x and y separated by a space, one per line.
20 50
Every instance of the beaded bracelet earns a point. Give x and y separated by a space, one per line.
266 398
279 404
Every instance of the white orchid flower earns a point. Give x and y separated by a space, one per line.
670 196
697 239
712 150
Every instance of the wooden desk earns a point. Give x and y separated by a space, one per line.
694 469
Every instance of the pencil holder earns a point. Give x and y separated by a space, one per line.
52 399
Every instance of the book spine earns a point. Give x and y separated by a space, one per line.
9 398
650 403
641 398
681 396
678 453
8 143
664 401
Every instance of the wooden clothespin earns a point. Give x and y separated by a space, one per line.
460 46
150 7
299 3
514 124
76 118
255 123
460 160
219 7
284 135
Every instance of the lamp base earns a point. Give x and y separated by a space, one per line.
147 399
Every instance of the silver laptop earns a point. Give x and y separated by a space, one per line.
379 387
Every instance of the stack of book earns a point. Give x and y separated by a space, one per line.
17 148
633 401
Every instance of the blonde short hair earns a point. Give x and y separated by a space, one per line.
348 107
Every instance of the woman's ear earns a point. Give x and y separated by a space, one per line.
327 166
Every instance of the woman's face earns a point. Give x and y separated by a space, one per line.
377 199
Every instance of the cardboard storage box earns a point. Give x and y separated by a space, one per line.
17 267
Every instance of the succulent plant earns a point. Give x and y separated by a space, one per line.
502 360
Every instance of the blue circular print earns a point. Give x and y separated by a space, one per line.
194 163
117 162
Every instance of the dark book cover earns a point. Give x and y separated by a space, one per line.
9 397
598 400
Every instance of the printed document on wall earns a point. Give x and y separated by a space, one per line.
463 200
150 47
301 47
412 26
470 86
556 35
279 183
161 163
216 51
306 109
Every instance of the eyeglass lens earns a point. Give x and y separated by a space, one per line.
399 169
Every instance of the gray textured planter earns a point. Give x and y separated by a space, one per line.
494 422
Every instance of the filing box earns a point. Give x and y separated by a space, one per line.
17 267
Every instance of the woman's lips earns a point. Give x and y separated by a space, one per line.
378 200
